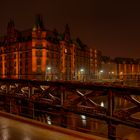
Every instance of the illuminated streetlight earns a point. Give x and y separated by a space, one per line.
83 117
48 73
82 74
102 104
81 70
101 71
48 68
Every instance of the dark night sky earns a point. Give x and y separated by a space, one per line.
112 26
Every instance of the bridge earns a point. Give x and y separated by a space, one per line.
74 105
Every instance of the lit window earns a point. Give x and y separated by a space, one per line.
65 50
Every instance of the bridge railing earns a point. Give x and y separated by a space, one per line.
75 105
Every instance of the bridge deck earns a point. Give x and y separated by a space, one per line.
13 129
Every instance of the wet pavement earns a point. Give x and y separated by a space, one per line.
14 130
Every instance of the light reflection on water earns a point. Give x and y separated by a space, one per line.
49 120
26 138
5 134
84 121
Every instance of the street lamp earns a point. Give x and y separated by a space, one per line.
81 74
48 68
121 75
81 70
102 104
100 73
48 72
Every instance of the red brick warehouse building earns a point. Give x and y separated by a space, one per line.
38 53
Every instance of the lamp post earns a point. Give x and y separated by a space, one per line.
121 75
100 74
82 74
48 73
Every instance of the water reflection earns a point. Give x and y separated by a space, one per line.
26 138
14 130
49 120
83 117
5 134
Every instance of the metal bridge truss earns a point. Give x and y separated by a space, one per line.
76 97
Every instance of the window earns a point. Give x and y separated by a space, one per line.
20 63
26 69
38 69
14 56
26 61
26 54
52 55
48 54
65 50
39 47
14 72
38 61
14 49
48 47
39 53
20 70
47 62
20 55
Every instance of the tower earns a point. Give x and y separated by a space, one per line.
67 33
38 23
